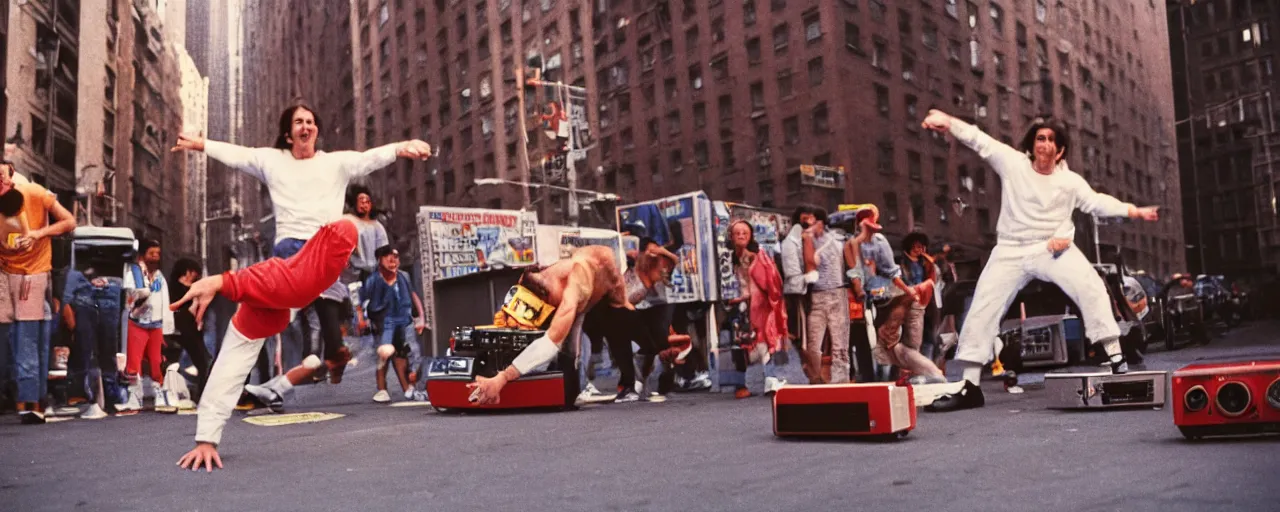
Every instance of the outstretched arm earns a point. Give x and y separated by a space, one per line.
361 163
248 160
997 154
1104 205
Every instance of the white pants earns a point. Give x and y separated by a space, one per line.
1010 268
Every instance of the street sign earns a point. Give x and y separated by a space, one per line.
822 176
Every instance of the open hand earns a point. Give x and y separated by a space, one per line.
203 454
1147 213
414 149
486 391
188 143
937 121
1057 245
200 295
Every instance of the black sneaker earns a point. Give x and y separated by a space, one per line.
263 397
969 397
31 417
627 395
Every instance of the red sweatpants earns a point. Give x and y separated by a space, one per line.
268 290
144 342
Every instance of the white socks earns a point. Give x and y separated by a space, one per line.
972 372
1112 347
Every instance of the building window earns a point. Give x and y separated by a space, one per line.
940 171
753 51
784 84
915 169
929 34
821 124
877 10
780 36
882 100
812 27
912 114
667 49
691 42
879 54
749 13
695 77
673 122
852 37
908 67
699 114
815 71
884 158
972 10
725 106
1042 10
700 154
891 206
975 56
791 130
997 19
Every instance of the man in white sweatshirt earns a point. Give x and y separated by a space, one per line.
1034 241
307 188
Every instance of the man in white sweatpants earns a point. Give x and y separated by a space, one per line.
1034 235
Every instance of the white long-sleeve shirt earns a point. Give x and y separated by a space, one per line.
155 289
1035 207
306 194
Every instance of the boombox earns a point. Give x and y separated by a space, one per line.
1104 390
1227 398
483 352
874 409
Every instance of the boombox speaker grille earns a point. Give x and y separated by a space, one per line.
824 418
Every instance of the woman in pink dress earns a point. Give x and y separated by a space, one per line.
766 311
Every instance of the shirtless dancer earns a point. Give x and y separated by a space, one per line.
1033 241
307 189
587 284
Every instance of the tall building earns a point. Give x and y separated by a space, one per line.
738 98
297 55
231 222
4 58
195 120
1227 97
42 83
734 97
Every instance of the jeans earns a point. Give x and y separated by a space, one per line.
97 333
29 343
404 337
829 314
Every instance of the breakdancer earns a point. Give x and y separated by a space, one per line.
588 284
1034 236
307 189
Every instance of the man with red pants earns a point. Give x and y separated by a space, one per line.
307 188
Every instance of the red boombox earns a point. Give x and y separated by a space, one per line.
875 409
483 352
1227 398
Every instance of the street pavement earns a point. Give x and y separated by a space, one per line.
702 451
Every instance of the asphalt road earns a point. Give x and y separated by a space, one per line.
693 452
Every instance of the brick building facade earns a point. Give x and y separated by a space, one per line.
1224 56
93 104
733 97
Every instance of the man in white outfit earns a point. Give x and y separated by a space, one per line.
1034 236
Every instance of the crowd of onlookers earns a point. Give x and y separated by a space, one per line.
100 339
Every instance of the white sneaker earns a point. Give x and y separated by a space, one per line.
1015 390
700 382
93 413
773 384
382 397
134 403
591 390
166 401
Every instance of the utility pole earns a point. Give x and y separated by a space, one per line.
524 131
1191 125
